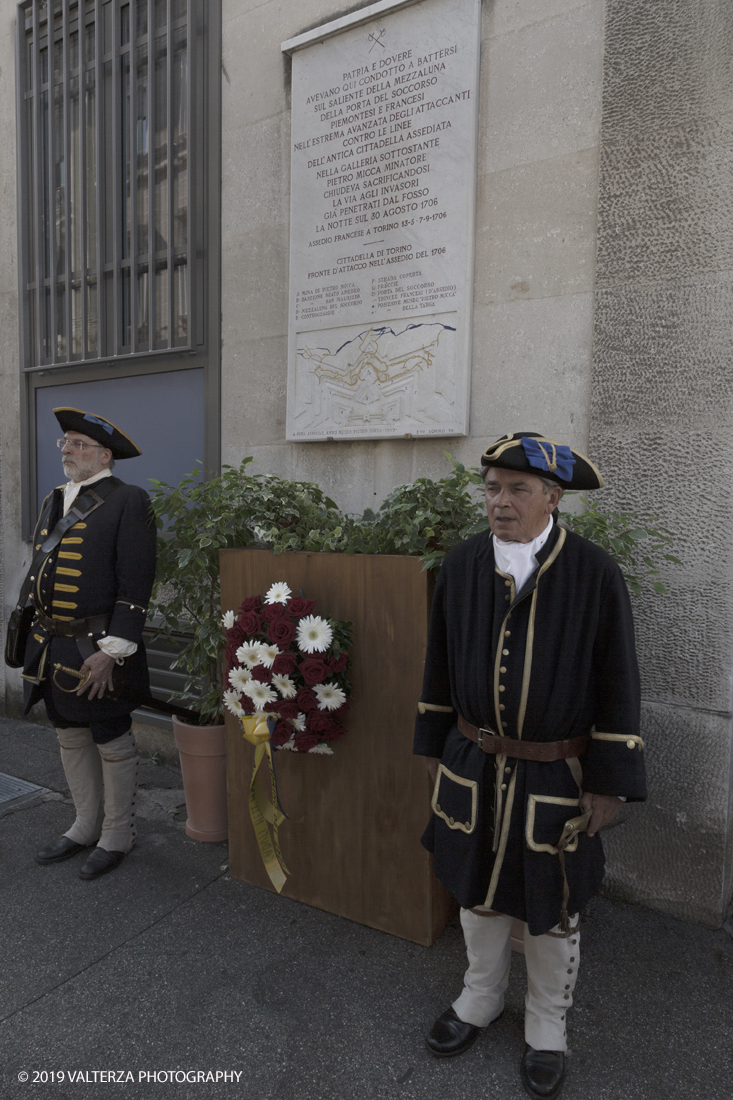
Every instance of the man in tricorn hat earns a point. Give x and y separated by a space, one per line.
529 716
85 656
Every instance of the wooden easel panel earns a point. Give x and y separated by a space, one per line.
357 850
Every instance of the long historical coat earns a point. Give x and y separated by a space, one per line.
553 661
104 565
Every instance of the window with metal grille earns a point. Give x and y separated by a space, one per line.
107 196
119 150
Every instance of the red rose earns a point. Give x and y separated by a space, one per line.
274 611
281 632
235 635
300 607
306 700
305 740
334 733
261 674
272 708
288 709
281 733
250 622
340 714
284 664
338 663
320 723
252 603
314 670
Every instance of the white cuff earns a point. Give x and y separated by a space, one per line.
117 647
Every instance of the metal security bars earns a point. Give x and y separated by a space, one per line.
104 113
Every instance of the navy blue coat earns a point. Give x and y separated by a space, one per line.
553 661
104 565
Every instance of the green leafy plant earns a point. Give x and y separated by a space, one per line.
621 534
196 520
424 519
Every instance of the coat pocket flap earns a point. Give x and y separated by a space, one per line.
455 800
546 817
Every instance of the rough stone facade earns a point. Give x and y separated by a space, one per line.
662 419
603 303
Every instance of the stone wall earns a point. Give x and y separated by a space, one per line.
662 420
539 128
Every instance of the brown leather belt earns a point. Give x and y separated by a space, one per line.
545 751
95 624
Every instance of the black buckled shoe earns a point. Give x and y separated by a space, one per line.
450 1035
100 862
63 848
543 1072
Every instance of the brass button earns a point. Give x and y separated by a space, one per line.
630 744
566 996
569 972
573 941
507 633
567 986
503 786
505 652
507 597
505 724
508 584
572 958
501 706
507 771
501 687
503 668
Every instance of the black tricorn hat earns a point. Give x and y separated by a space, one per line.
96 427
533 453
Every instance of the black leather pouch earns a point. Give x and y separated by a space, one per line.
19 626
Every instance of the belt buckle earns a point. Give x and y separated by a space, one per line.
481 731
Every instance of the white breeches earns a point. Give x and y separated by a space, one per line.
552 970
103 781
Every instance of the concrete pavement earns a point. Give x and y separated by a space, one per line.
168 964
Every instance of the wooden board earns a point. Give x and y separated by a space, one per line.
357 851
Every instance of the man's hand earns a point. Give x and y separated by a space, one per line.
100 666
604 806
433 762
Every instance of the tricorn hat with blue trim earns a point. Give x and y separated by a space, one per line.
96 427
534 454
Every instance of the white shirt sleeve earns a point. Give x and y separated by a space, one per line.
117 647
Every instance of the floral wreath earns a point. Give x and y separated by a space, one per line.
283 662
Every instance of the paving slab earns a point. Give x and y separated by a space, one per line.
170 966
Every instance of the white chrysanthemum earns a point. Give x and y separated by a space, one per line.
239 678
314 634
278 593
285 686
288 745
231 702
322 748
249 654
268 653
227 620
299 722
260 694
330 696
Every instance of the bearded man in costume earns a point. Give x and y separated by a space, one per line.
529 716
84 656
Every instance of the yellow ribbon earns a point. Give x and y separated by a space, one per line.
262 811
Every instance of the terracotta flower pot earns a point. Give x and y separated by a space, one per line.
202 750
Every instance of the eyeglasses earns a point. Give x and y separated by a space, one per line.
77 444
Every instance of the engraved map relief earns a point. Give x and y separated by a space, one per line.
396 378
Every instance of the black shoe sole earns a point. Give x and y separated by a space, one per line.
540 1095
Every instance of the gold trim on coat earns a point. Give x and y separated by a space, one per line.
465 827
529 824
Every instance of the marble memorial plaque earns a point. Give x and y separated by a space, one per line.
383 165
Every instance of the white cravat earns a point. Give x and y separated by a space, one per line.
519 559
113 647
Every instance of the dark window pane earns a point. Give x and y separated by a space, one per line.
142 17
